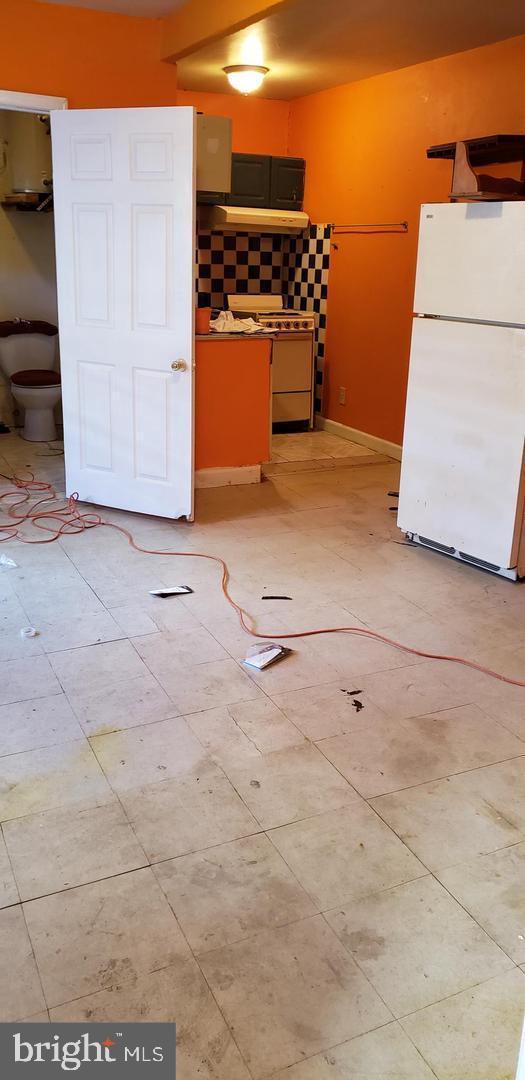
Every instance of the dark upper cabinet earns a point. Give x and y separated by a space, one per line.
270 182
250 180
287 183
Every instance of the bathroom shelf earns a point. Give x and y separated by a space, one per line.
28 203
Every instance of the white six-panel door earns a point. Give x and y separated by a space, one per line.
124 194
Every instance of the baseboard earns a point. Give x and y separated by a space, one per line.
226 476
382 446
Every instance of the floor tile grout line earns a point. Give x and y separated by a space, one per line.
434 871
513 966
457 993
127 980
476 921
422 783
33 954
345 1042
84 884
355 897
12 869
45 746
195 958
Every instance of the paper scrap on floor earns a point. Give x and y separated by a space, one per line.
261 656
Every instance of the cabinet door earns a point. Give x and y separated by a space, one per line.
287 183
214 156
292 364
250 180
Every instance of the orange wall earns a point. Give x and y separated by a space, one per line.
94 59
232 403
259 126
365 147
98 60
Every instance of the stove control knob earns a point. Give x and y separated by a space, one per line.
296 325
286 324
305 324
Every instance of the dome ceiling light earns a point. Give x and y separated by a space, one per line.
245 77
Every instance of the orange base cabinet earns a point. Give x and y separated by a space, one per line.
232 401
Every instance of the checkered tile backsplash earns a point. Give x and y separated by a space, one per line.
306 264
295 267
237 263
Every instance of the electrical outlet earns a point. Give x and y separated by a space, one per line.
342 395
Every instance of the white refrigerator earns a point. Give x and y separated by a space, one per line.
462 488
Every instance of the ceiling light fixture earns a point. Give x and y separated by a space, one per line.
245 77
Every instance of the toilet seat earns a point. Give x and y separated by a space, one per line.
36 377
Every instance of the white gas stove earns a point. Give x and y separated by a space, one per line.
292 366
269 311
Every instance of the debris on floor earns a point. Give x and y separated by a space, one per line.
358 705
173 590
262 655
6 561
28 632
276 598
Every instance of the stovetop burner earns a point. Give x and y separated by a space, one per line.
269 310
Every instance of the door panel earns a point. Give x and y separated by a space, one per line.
124 193
250 184
464 438
93 243
471 261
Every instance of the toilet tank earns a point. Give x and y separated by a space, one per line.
21 352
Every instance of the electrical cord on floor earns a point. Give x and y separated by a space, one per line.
67 520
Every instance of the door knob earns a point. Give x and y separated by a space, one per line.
178 365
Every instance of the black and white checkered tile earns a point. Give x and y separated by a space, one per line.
237 263
306 265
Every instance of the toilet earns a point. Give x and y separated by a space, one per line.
29 360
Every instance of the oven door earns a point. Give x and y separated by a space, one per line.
292 377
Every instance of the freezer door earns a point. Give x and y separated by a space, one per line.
471 261
464 438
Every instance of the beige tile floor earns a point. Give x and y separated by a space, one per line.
315 449
310 891
314 445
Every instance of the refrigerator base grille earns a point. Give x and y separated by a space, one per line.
507 572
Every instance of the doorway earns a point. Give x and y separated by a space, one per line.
28 290
124 223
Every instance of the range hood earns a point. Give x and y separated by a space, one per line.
252 219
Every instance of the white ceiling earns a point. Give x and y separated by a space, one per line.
314 44
153 8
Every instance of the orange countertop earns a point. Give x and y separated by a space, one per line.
232 400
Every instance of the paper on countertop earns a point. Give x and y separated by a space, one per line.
226 323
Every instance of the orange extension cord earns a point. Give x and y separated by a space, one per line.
66 520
